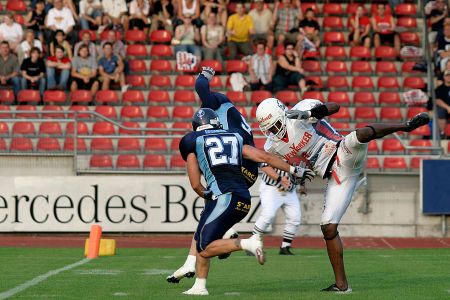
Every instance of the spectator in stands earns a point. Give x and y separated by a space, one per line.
115 14
11 32
213 36
60 18
60 40
58 70
30 42
239 28
261 68
90 14
310 27
359 28
139 10
262 20
218 7
289 70
286 20
437 17
84 71
71 6
443 48
443 102
35 20
383 25
162 15
189 8
186 35
9 67
118 45
110 68
86 40
33 72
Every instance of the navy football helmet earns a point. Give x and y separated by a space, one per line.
205 118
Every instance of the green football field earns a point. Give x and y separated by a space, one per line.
140 274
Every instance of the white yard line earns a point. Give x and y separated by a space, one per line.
388 244
39 279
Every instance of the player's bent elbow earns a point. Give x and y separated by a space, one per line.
332 107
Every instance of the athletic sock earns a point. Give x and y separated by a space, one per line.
258 231
200 283
190 261
285 244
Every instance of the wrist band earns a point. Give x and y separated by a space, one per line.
279 179
292 170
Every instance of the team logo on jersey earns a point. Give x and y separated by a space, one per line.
295 148
266 118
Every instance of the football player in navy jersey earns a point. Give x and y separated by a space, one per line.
217 154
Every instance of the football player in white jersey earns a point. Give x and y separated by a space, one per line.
300 135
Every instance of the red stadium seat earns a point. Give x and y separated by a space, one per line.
352 7
184 127
160 36
69 145
365 114
389 98
137 81
52 115
47 144
160 81
183 112
3 146
332 23
92 34
317 81
423 131
18 18
159 65
80 96
333 37
363 98
158 126
414 110
394 163
259 96
13 5
137 65
336 67
332 9
103 128
155 145
337 82
235 66
212 63
372 147
305 5
405 9
287 96
360 52
30 108
4 129
135 35
335 52
407 67
128 161
50 128
372 163
185 81
131 112
28 96
158 96
136 50
174 144
106 97
177 162
361 67
414 163
406 22
133 96
313 95
20 144
130 124
101 161
105 33
102 145
128 145
106 111
362 82
243 111
54 97
413 83
23 128
82 128
155 161
79 109
158 112
7 96
383 67
237 97
216 82
420 143
391 114
342 114
409 38
392 145
388 83
339 97
312 66
385 52
184 96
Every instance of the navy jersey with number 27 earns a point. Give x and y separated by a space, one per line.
219 155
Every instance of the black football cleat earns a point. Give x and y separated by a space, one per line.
417 121
334 289
179 274
285 251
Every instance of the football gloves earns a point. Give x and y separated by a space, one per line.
208 72
298 114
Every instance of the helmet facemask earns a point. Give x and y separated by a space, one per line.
275 130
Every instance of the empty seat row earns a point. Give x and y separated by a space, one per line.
393 163
367 83
357 67
134 162
339 37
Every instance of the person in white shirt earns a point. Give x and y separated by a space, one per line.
30 42
10 31
139 18
60 17
115 14
90 14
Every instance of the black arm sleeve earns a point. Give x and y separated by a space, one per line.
319 112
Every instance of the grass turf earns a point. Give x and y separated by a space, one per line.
140 274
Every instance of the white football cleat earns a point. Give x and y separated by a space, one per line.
197 291
179 274
255 246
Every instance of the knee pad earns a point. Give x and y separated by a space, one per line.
329 233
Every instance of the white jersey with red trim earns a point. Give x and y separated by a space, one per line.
310 141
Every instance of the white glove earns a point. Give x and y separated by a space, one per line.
208 72
302 173
298 114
